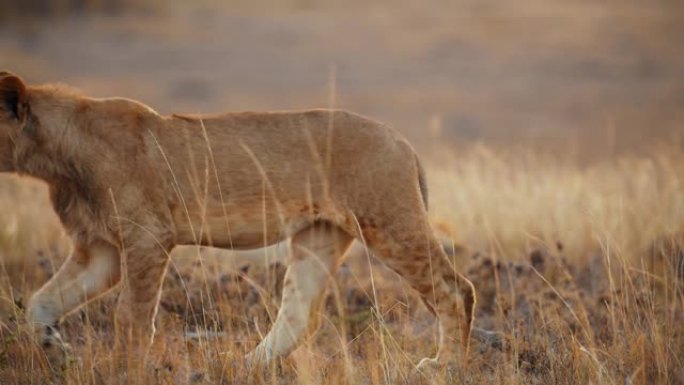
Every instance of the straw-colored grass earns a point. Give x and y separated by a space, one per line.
579 267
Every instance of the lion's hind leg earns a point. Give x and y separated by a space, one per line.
316 252
409 247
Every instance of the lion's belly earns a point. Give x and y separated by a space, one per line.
234 229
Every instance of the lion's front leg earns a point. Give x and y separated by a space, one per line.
144 273
88 272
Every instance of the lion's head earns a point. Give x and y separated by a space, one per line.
13 114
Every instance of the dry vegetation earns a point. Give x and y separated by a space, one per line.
580 268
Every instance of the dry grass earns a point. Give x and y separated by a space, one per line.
581 268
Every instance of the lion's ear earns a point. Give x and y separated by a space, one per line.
12 97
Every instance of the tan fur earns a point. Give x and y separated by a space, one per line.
128 182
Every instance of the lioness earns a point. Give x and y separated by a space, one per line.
129 185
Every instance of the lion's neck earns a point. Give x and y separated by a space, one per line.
73 189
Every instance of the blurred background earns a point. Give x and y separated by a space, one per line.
586 79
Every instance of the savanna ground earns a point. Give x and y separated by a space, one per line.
552 133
